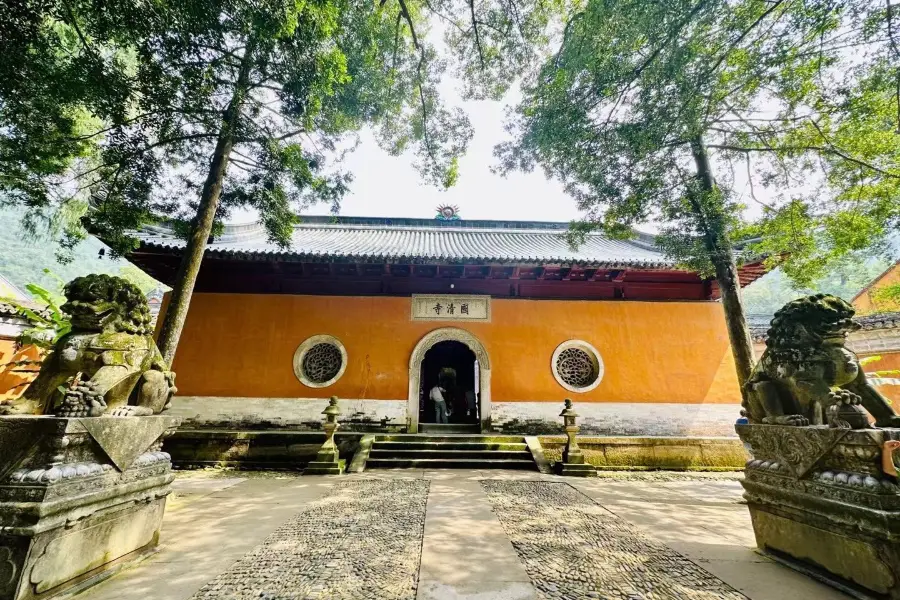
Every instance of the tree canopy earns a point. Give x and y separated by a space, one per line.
648 109
186 109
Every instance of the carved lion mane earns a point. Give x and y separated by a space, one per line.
806 323
107 303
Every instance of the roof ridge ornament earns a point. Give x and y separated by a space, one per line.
447 212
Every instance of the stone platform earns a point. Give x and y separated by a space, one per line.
293 450
78 497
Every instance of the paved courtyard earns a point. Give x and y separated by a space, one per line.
457 535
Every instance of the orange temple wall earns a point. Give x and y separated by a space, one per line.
14 377
242 345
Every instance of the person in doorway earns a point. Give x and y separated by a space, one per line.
440 405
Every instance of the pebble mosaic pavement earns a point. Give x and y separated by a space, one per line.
361 540
572 547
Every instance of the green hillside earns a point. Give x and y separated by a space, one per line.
23 259
774 290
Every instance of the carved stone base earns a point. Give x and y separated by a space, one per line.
325 468
821 502
78 497
837 556
576 469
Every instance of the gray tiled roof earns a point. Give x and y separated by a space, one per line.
417 240
759 324
886 320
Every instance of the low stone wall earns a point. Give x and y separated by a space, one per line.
619 418
280 450
296 414
669 453
526 418
293 450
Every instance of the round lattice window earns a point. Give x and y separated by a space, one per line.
320 361
577 366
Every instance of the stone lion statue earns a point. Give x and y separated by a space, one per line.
108 364
806 375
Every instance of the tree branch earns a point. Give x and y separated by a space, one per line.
81 37
894 47
412 30
396 42
672 35
405 12
744 34
475 29
809 148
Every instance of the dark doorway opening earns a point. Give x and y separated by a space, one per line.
453 366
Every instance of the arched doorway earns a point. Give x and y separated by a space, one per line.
456 349
452 366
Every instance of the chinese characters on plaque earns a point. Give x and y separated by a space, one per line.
451 308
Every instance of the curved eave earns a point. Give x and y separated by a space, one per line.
530 260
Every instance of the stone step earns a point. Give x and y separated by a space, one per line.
377 452
449 463
442 428
450 438
454 445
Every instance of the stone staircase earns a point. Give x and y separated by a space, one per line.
443 428
450 451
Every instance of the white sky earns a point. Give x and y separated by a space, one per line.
389 186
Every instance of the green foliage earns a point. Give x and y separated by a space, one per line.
648 109
120 111
844 279
889 295
47 323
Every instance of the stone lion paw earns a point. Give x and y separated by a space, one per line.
842 396
129 411
792 420
82 400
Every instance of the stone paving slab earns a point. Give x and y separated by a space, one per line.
465 552
361 540
574 548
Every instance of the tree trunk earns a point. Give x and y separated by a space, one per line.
180 300
722 256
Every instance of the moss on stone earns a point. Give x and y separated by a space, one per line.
653 453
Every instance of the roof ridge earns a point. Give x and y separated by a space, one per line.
428 241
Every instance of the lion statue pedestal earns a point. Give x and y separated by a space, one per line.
821 486
83 478
822 502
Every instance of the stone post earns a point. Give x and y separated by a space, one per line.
328 461
572 459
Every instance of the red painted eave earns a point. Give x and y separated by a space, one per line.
747 274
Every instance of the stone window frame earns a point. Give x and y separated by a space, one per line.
591 352
309 343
